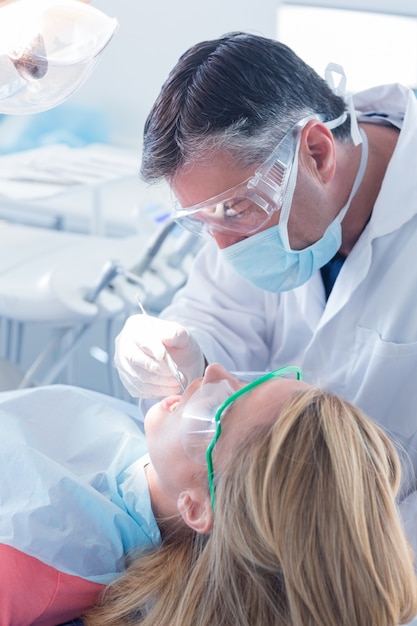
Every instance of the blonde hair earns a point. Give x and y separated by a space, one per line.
306 532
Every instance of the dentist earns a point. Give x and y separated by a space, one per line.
309 201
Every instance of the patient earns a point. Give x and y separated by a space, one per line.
272 503
78 491
297 527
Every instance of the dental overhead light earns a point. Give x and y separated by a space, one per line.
48 48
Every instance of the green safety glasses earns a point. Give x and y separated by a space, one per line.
200 425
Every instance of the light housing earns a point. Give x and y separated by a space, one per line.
48 48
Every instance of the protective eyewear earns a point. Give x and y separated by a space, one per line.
201 424
247 207
48 48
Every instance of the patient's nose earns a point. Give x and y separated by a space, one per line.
216 372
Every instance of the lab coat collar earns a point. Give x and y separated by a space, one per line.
394 206
389 102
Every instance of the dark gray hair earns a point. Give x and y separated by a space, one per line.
242 93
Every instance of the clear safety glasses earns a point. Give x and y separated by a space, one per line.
201 424
47 50
247 207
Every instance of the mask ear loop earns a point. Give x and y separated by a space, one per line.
340 90
292 181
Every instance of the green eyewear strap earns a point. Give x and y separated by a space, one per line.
279 373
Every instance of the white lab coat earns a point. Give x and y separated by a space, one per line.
362 342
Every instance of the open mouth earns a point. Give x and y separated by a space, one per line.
170 403
173 407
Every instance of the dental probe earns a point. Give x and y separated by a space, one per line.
178 375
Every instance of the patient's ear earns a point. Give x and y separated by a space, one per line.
195 509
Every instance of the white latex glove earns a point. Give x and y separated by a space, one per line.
140 351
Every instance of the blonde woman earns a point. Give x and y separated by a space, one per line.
287 518
79 491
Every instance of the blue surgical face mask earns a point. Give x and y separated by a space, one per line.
267 260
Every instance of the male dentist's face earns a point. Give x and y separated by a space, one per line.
203 180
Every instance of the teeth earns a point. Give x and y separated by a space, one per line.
173 407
